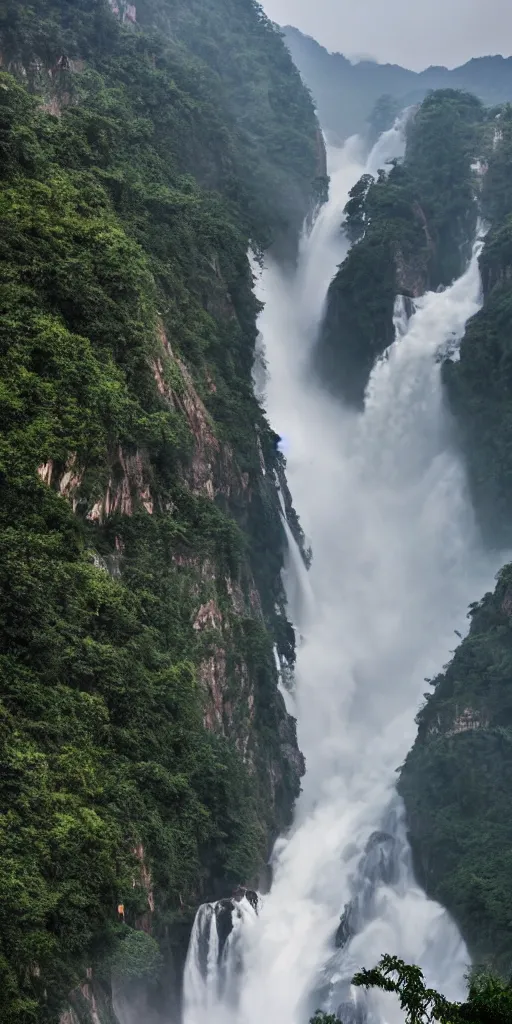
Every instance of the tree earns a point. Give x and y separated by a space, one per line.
489 997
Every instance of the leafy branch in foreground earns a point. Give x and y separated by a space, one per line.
489 997
420 1004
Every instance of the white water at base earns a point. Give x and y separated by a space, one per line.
396 560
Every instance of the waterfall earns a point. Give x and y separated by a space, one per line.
396 560
301 604
214 959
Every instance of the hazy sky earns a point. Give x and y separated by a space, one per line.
414 33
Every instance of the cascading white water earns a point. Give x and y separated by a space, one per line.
396 560
215 957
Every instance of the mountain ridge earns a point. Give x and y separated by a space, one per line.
330 76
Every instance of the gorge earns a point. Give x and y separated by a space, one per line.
383 500
254 467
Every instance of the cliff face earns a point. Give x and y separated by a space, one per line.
412 230
148 759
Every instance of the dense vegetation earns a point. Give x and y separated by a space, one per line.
413 227
346 94
146 756
457 781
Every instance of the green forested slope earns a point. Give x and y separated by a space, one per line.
413 228
457 782
146 756
260 88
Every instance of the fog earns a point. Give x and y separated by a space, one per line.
447 32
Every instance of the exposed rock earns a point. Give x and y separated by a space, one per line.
127 13
507 603
68 1017
212 674
468 719
209 616
45 472
465 720
212 469
161 383
98 561
212 387
224 914
144 921
91 999
225 908
53 106
67 480
378 867
411 274
249 894
236 595
255 602
90 1003
203 467
122 495
70 482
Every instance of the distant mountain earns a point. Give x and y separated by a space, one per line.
346 94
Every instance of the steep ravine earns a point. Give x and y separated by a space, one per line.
397 555
148 761
396 558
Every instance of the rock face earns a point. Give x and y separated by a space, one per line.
224 910
91 1003
378 866
411 274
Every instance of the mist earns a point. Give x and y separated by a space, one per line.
398 32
